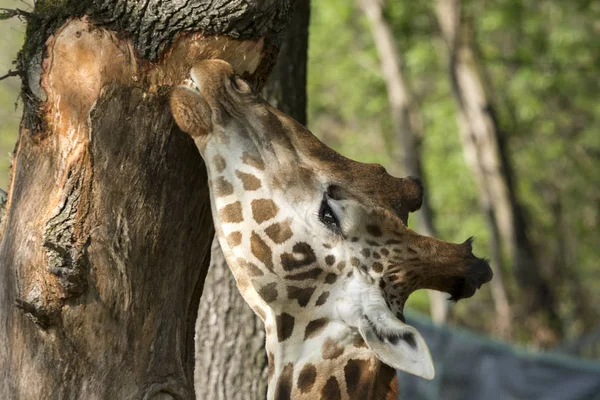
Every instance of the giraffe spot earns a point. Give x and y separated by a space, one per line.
384 252
280 232
372 243
327 246
223 187
268 292
392 241
249 181
301 276
271 362
219 163
357 374
349 275
377 267
366 253
283 391
253 160
303 295
231 213
322 299
285 326
234 239
261 250
330 278
314 327
330 259
355 261
331 349
376 255
341 265
263 210
306 378
249 267
374 230
359 342
302 255
331 390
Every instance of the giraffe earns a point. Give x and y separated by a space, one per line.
318 244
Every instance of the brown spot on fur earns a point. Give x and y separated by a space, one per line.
331 390
261 251
283 391
268 292
280 232
359 342
372 243
253 160
366 253
385 252
271 362
231 213
374 230
314 327
249 181
249 267
341 265
219 163
355 261
358 378
285 326
223 187
330 259
264 209
310 274
234 239
301 256
331 349
306 378
330 278
303 295
376 255
377 267
322 299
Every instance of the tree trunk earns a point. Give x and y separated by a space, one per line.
105 242
484 151
231 362
406 122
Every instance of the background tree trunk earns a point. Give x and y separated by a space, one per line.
483 145
406 123
106 237
231 362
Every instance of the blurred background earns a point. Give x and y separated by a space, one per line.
496 106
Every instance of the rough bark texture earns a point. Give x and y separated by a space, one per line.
106 238
483 144
406 122
231 362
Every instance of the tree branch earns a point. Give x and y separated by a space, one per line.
9 74
7 13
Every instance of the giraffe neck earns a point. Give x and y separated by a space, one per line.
332 363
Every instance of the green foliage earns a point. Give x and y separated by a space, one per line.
12 33
542 61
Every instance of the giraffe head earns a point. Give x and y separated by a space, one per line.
318 243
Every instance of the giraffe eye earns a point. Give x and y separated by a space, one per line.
327 216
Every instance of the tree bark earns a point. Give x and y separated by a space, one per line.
483 144
406 123
231 362
106 238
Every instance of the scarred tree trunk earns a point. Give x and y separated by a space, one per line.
106 238
484 151
231 362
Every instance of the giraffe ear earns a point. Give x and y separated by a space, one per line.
191 111
397 344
